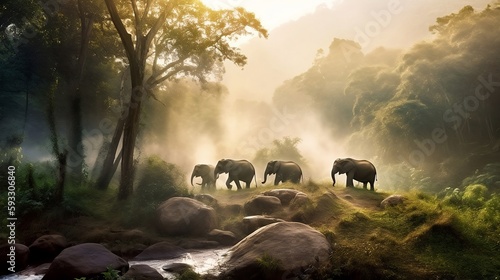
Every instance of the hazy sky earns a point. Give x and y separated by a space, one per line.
299 28
273 13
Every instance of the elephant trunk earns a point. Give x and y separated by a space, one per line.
265 178
192 176
334 171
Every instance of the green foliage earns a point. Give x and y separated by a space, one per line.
188 274
488 176
284 149
477 209
389 105
111 274
474 196
158 182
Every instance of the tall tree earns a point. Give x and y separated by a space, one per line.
165 39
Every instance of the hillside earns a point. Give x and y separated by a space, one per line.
425 237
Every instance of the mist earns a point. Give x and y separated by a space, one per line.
322 87
347 100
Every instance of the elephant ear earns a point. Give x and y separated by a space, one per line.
347 165
229 165
276 167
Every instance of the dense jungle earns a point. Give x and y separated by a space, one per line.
109 111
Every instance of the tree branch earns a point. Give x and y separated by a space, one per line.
122 31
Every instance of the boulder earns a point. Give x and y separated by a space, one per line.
299 200
275 251
284 195
185 216
13 260
160 251
207 199
262 204
84 260
142 272
176 267
392 200
223 237
46 248
254 222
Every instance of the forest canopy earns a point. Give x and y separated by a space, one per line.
432 105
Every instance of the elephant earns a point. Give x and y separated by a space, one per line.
238 170
284 171
206 172
359 170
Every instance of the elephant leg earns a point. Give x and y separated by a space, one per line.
277 180
349 182
247 184
228 183
238 185
372 186
364 185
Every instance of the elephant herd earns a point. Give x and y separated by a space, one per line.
285 171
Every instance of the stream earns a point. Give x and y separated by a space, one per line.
203 261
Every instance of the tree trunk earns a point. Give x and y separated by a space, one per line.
60 156
75 137
130 132
61 178
110 163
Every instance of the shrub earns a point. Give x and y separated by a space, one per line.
490 213
474 195
452 196
489 176
158 182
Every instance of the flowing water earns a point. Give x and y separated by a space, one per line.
203 261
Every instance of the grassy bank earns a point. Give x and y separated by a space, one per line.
452 235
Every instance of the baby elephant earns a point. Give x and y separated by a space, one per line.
206 172
284 171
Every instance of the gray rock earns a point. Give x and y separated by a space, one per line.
222 237
185 216
46 248
84 260
142 272
392 200
176 267
284 195
254 222
160 251
262 204
291 246
19 261
207 199
299 200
